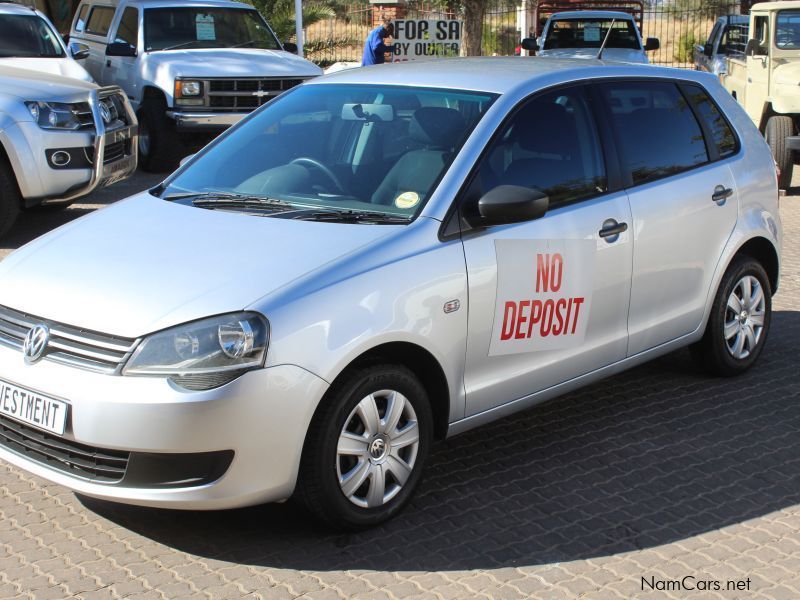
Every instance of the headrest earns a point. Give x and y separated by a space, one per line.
436 126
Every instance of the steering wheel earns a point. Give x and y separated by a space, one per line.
313 162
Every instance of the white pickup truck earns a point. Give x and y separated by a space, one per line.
190 68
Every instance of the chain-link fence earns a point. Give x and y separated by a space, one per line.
678 24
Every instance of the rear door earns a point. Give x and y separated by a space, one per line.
548 298
683 201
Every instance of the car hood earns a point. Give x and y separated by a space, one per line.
613 54
230 62
145 264
37 85
65 67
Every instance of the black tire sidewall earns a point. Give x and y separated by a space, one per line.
721 359
327 499
10 199
165 149
777 130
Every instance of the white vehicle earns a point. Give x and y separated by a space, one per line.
191 68
581 34
28 40
377 259
60 138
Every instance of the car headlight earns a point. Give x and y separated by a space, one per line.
57 115
190 88
203 354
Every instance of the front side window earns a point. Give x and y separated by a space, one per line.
128 30
322 150
551 145
100 20
28 36
721 131
787 30
590 33
175 28
657 131
761 34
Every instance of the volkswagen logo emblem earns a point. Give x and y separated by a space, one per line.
35 343
105 112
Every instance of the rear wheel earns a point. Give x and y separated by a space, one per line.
366 448
160 149
10 199
778 129
739 322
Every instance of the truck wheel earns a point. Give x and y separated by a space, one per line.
366 447
160 149
10 199
739 321
778 129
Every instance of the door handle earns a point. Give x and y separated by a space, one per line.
612 229
721 193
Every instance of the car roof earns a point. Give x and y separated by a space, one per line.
171 3
591 14
498 75
775 5
13 8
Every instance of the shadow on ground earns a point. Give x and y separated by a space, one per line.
655 455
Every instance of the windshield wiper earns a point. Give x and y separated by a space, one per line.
182 45
249 43
353 216
226 199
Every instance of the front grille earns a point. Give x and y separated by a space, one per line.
88 462
68 345
245 94
115 103
116 151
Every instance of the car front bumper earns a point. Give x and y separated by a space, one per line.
205 122
262 417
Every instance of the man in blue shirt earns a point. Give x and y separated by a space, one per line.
375 46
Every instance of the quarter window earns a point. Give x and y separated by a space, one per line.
550 144
721 131
128 30
657 131
100 20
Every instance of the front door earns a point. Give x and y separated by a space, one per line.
548 299
122 70
758 69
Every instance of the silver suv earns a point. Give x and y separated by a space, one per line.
378 259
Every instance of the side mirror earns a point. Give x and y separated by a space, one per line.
120 49
185 159
708 50
530 44
79 51
507 204
752 48
651 44
290 47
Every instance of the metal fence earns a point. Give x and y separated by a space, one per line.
678 24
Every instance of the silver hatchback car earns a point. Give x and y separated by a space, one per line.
378 259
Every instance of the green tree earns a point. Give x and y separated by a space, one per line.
280 14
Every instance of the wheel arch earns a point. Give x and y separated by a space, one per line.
762 250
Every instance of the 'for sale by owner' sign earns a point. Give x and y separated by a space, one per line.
420 38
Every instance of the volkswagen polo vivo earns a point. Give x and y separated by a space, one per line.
377 259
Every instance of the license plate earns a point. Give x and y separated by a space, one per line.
32 408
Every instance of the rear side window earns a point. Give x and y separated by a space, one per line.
720 130
80 21
128 30
657 131
100 20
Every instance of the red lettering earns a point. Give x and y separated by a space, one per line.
509 316
536 313
547 318
521 320
559 325
556 272
565 331
542 272
578 302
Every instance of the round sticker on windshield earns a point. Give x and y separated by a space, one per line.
407 200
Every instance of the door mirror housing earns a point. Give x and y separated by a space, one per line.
120 49
508 204
753 48
651 44
185 159
290 47
530 45
79 51
708 50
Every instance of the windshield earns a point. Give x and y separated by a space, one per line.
28 36
175 28
787 30
590 33
373 148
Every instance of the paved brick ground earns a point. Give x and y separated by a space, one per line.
659 473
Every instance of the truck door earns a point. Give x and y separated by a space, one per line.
122 70
758 68
95 35
548 298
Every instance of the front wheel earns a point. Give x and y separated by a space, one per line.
160 149
10 200
739 322
778 129
366 448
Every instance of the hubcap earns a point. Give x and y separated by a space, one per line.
377 449
744 317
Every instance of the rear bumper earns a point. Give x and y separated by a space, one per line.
204 121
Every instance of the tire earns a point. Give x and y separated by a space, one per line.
10 198
49 208
778 129
719 350
329 480
160 148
